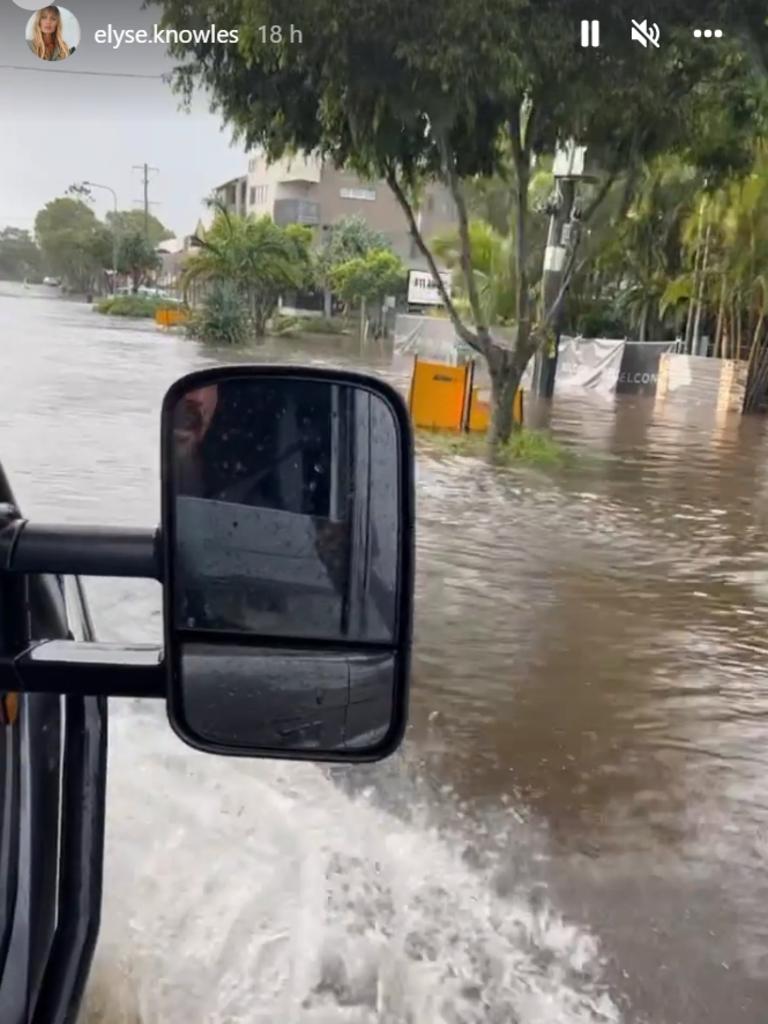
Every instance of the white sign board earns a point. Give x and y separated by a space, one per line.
422 290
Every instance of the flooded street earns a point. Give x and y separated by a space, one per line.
576 829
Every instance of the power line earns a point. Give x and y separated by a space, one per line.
93 74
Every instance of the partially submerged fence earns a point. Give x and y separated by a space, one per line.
597 365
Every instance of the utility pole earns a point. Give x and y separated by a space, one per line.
568 170
145 169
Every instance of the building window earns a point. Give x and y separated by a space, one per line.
368 194
253 195
259 194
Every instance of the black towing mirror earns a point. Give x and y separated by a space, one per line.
287 533
286 557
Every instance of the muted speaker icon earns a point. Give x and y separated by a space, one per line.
644 33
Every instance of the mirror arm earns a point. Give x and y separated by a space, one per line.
86 669
81 550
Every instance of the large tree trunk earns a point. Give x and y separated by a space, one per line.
505 370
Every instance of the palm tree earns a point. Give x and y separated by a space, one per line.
644 250
259 258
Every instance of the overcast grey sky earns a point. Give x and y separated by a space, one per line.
59 126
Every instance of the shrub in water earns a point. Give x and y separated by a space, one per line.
131 305
222 318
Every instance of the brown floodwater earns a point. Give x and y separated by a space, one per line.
590 702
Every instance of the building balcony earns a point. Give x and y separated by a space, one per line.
296 211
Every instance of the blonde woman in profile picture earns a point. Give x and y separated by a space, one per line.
47 38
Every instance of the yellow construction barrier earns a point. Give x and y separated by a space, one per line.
438 398
170 316
443 397
480 410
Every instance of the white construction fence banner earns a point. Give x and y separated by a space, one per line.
592 363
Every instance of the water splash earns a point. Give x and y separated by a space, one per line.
252 892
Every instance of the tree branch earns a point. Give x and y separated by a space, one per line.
522 162
467 336
599 199
465 250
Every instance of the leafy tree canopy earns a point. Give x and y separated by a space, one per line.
75 245
19 255
136 256
405 85
348 238
131 222
371 277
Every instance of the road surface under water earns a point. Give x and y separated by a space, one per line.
576 828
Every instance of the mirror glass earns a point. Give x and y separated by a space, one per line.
286 495
285 528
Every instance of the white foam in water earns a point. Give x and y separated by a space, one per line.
239 891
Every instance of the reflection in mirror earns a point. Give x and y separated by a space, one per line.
287 502
243 697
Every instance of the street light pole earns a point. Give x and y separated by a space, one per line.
94 184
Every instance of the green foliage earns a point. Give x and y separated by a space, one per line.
259 258
222 318
20 258
379 85
75 245
295 325
322 325
493 269
368 280
346 239
136 257
525 447
370 277
131 305
285 326
131 222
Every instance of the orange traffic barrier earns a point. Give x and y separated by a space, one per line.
444 397
170 316
480 410
438 398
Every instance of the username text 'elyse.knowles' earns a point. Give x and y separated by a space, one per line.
117 37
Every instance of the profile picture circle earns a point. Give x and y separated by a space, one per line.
53 33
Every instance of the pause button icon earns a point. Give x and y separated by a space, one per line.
590 32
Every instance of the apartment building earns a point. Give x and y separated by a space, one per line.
308 190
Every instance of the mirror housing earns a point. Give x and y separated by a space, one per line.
288 562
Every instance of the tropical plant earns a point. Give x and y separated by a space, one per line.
222 318
260 259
